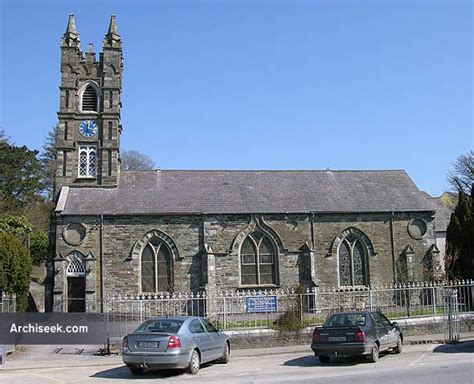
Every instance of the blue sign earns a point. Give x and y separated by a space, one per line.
261 304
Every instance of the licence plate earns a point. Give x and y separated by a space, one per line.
147 344
336 338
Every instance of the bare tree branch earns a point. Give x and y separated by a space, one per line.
461 177
136 161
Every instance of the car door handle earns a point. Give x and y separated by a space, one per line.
197 339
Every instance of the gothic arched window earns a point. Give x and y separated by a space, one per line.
76 266
353 261
89 99
258 264
156 267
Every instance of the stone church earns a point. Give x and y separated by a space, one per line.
131 232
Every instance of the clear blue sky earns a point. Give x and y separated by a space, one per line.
262 84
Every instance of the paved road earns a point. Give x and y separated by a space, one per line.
417 364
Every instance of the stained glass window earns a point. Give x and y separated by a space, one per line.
352 261
258 260
156 267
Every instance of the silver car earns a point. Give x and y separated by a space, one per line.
174 342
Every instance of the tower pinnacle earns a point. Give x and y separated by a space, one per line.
112 38
71 37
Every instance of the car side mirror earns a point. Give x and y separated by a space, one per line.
395 325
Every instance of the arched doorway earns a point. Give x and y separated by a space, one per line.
76 283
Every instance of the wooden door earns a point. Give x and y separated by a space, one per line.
76 294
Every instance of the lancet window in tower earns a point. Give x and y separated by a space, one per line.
87 166
258 260
89 99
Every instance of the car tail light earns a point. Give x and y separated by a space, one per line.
125 342
174 342
360 336
316 336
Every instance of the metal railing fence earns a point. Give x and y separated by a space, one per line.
271 308
7 302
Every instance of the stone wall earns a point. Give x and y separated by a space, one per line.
430 327
207 249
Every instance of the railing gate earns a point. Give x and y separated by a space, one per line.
451 315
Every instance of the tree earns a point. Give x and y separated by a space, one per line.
461 177
39 247
16 225
49 163
460 238
3 136
133 161
15 269
20 177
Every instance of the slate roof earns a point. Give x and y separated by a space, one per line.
220 192
443 213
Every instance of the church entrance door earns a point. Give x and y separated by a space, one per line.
76 294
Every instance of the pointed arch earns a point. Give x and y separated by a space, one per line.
156 253
89 97
258 260
258 247
257 223
76 266
143 241
353 249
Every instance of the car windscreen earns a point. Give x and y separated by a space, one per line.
160 325
346 320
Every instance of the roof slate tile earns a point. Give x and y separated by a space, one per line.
220 192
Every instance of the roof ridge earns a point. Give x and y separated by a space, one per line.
266 170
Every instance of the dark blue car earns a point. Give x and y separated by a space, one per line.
364 333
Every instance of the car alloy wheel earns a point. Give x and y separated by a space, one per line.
374 356
398 347
194 363
226 355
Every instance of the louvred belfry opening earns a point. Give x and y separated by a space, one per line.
89 99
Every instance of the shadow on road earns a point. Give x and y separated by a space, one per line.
124 373
311 360
462 347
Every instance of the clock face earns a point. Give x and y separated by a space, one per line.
88 128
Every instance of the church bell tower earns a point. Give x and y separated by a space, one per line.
89 127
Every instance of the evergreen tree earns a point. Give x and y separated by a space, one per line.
20 177
460 238
15 268
39 247
48 163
